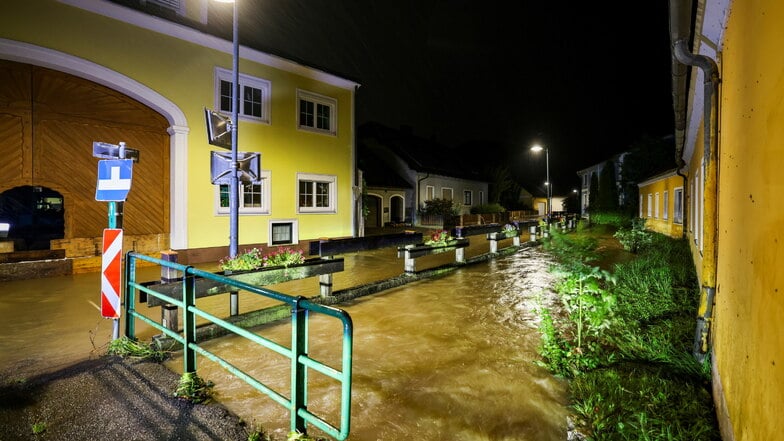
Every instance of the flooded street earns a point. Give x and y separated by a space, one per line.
446 358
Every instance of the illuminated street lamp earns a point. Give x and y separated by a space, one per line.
538 148
234 187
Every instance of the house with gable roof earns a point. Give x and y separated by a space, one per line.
413 171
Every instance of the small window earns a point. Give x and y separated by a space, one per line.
317 113
656 206
430 193
254 197
468 197
481 197
650 204
678 206
316 193
447 194
255 94
283 232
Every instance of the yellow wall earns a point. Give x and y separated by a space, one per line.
662 223
183 72
749 312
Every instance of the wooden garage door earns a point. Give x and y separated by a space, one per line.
48 122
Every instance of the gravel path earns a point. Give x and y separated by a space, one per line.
109 398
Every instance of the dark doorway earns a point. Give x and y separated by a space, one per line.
35 215
373 218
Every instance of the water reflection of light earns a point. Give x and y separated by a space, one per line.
449 358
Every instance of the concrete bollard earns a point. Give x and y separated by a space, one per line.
460 255
169 312
532 231
325 285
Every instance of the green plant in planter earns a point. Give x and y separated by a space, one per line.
439 238
509 230
253 259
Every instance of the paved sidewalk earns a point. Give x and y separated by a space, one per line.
109 398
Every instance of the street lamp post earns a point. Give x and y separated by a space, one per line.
538 148
234 187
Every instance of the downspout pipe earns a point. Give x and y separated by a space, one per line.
418 199
680 18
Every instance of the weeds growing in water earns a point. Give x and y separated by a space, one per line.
194 389
624 339
125 347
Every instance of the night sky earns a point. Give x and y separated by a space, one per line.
585 78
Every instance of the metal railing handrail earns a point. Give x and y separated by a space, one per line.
297 353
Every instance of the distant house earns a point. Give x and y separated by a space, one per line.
661 203
587 174
404 171
77 71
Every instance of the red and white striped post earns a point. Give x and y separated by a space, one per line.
111 270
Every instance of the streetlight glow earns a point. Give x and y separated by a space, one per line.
538 148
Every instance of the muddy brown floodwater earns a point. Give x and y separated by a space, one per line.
450 358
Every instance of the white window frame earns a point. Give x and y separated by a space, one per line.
451 193
656 206
481 197
265 86
430 192
666 205
265 182
294 231
650 204
677 215
317 99
468 197
332 180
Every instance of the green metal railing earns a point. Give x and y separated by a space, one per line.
297 353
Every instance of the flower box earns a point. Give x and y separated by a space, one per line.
259 277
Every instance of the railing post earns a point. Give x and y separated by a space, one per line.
299 378
532 231
459 255
130 296
188 321
169 313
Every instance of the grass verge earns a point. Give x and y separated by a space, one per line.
623 337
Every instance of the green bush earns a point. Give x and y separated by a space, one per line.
487 209
614 218
635 238
443 207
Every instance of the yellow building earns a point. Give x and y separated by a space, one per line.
661 203
729 105
77 71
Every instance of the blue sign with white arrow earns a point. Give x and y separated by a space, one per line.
114 180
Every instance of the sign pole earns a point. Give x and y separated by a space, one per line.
113 224
114 182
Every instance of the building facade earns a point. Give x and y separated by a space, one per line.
729 132
109 73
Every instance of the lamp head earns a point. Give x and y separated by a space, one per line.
536 148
